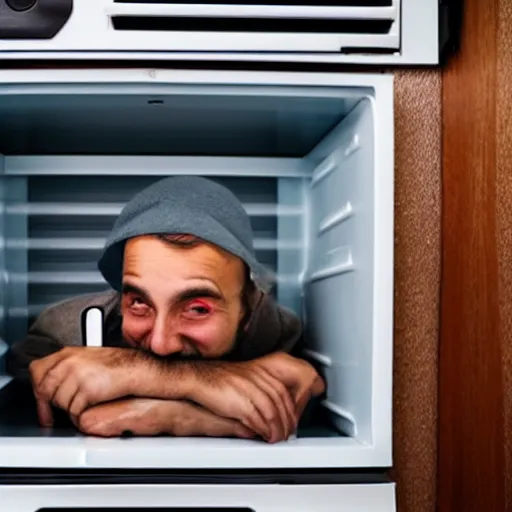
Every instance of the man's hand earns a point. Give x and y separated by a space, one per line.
267 395
245 392
76 378
299 377
149 417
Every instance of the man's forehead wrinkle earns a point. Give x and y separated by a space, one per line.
204 279
192 286
203 264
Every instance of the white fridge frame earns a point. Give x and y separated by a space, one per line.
309 453
257 498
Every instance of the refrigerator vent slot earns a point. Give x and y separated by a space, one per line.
370 26
365 17
231 24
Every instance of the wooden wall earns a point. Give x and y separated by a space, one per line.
475 350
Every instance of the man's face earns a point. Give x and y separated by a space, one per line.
181 300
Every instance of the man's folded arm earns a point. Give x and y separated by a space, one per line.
151 417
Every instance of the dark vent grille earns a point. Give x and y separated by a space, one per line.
283 25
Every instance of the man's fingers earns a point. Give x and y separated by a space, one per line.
306 392
318 386
247 396
39 368
74 419
286 399
215 426
44 412
301 400
264 412
295 374
283 399
78 404
280 426
65 393
38 371
184 419
46 379
234 401
243 432
251 415
106 420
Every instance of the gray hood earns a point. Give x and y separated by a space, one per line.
182 205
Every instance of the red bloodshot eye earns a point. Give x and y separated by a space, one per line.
198 303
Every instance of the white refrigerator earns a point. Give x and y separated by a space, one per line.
84 125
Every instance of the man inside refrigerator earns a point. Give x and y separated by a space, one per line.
191 342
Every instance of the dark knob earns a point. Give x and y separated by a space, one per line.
21 5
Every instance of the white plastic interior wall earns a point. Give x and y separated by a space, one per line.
311 158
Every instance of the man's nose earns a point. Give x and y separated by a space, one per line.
165 340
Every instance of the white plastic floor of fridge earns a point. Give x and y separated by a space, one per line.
185 453
257 498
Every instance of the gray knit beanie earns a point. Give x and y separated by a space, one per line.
182 205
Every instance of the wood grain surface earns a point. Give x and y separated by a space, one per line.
471 461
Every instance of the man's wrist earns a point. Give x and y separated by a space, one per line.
161 378
131 367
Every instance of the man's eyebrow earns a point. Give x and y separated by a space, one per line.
197 292
131 288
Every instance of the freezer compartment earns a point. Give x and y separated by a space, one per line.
311 158
205 498
373 32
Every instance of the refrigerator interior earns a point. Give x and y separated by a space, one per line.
310 157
